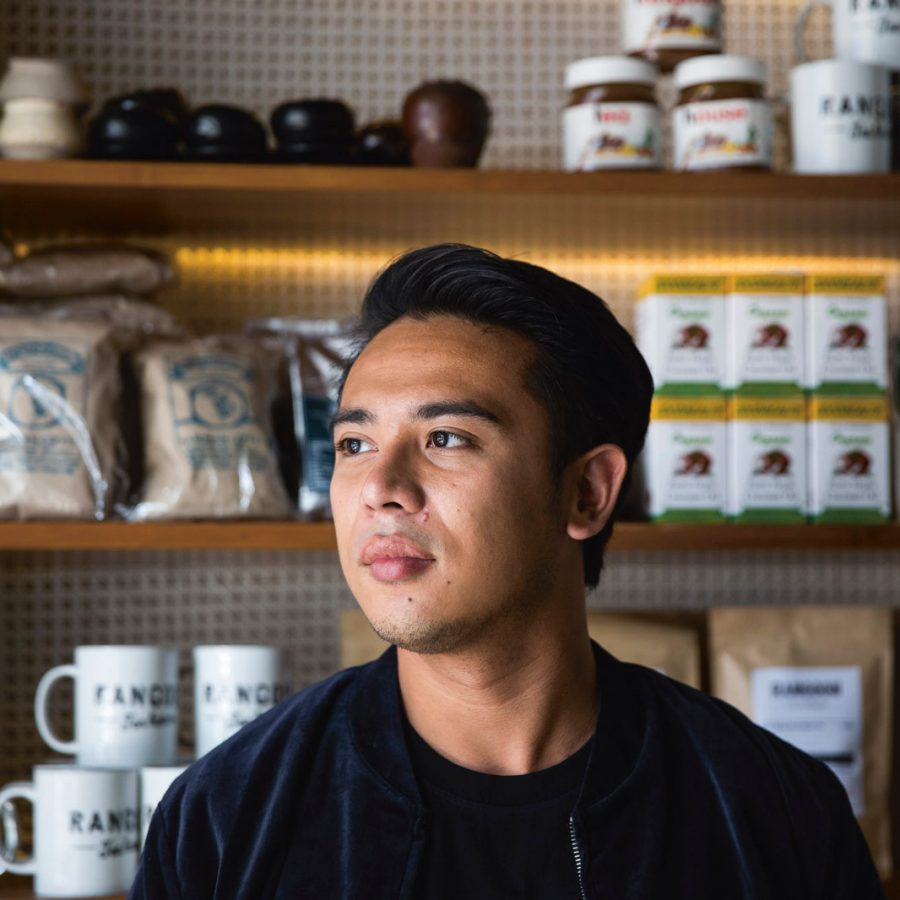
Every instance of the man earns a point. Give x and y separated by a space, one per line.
484 434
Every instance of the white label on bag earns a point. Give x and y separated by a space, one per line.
722 133
656 24
611 135
820 711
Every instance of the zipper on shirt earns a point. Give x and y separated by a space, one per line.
576 852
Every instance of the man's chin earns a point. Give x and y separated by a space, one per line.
420 637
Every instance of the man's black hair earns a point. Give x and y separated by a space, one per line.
587 374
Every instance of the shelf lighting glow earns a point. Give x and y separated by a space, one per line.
203 259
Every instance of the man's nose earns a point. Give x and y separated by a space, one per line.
393 482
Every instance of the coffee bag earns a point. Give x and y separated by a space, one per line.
83 270
821 678
60 442
316 351
671 649
359 643
207 433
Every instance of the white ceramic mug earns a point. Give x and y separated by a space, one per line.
85 833
862 31
155 781
126 706
840 117
232 686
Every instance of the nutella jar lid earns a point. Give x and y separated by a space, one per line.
609 70
723 67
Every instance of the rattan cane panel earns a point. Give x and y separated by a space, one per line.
702 580
257 55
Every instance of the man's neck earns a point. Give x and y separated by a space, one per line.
521 705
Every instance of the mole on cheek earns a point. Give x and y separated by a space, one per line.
409 599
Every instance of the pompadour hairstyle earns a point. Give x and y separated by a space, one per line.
587 373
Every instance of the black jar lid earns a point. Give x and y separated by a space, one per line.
221 132
167 98
137 132
312 121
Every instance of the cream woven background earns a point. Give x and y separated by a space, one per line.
318 262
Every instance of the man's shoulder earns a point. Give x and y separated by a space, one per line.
279 746
730 747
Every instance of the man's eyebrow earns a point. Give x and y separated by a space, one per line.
467 408
354 415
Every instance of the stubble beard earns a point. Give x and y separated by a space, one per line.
433 634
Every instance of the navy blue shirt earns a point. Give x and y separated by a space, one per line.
682 798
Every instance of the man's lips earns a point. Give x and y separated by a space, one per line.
394 558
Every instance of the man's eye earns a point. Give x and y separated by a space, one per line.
352 446
447 440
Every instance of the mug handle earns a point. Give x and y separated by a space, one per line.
800 28
24 790
40 708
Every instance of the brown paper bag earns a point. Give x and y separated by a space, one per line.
207 433
359 643
822 679
60 440
669 648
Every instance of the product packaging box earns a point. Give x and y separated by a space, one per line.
766 337
849 459
681 330
767 459
686 459
846 327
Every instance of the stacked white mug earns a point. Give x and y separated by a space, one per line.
91 816
841 107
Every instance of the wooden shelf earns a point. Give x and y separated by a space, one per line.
629 536
155 198
166 536
192 177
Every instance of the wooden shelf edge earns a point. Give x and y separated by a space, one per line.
308 536
167 536
180 176
631 536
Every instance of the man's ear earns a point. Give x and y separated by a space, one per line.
598 476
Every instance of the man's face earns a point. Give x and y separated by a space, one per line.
447 518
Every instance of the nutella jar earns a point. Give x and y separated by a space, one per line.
722 119
612 120
667 32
